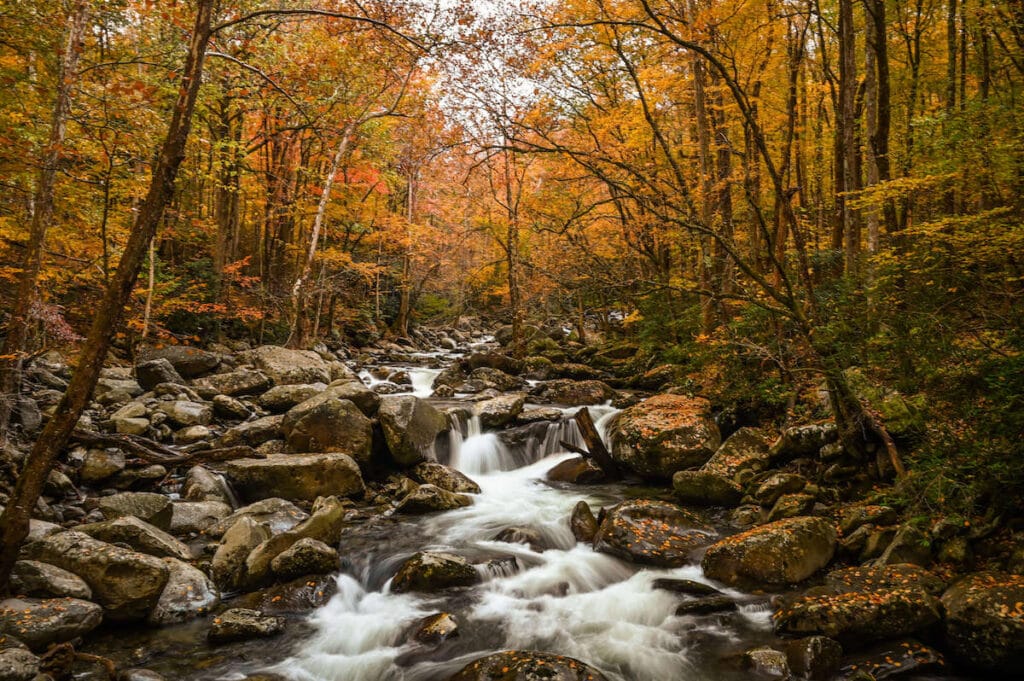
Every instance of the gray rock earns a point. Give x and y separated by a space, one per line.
777 484
804 440
150 507
298 476
431 473
241 624
100 465
188 594
18 664
433 571
42 580
429 498
281 398
286 367
236 383
41 623
653 533
500 411
202 484
742 455
153 372
131 426
410 427
192 434
278 515
333 425
139 535
706 488
307 556
767 662
575 393
230 408
253 433
186 413
527 665
228 565
197 516
187 361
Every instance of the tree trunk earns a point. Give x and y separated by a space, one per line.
14 522
13 350
849 229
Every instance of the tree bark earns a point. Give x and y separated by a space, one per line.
14 522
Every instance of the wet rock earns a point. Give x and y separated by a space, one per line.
298 596
240 624
410 427
281 398
664 434
189 594
253 433
42 580
705 606
500 411
429 498
435 629
493 360
583 523
536 414
706 489
197 516
985 621
332 425
228 565
431 571
305 557
652 533
803 440
521 535
139 535
353 391
743 455
132 478
39 623
229 408
298 476
278 515
187 361
784 552
152 373
864 579
126 583
791 506
287 367
890 659
431 473
527 665
18 664
100 465
765 661
854 517
777 484
576 471
746 516
813 657
685 586
202 484
138 675
149 507
574 393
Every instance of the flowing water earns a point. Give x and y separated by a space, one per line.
567 598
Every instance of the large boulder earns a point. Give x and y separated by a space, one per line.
42 580
285 366
281 398
234 383
197 516
296 476
432 571
410 427
278 515
139 535
500 411
784 552
985 621
706 489
189 594
664 434
253 433
153 372
431 473
333 425
742 455
148 507
42 623
575 393
653 533
228 565
187 361
126 583
307 556
527 665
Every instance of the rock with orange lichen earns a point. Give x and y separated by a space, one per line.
40 623
889 659
706 489
743 455
664 434
653 533
784 552
985 621
527 665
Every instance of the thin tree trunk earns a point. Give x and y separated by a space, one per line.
150 289
14 522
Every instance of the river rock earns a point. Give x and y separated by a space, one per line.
253 433
39 623
664 434
527 665
230 408
652 533
777 484
856 516
436 628
432 571
766 662
908 545
985 621
126 583
905 657
432 473
583 523
813 657
430 498
742 455
784 552
42 580
196 517
307 556
500 411
791 506
285 366
153 372
149 507
333 425
241 624
139 675
192 434
803 440
296 476
281 398
574 393
100 465
235 383
130 426
18 664
278 515
706 489
576 471
189 594
139 535
202 484
228 565
410 427
706 605
187 361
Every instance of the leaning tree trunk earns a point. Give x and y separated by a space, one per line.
14 522
12 352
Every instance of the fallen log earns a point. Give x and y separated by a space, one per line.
595 447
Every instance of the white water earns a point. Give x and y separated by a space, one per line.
422 380
567 599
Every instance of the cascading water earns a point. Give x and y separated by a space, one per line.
560 596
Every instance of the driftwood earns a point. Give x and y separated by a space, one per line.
151 451
595 447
